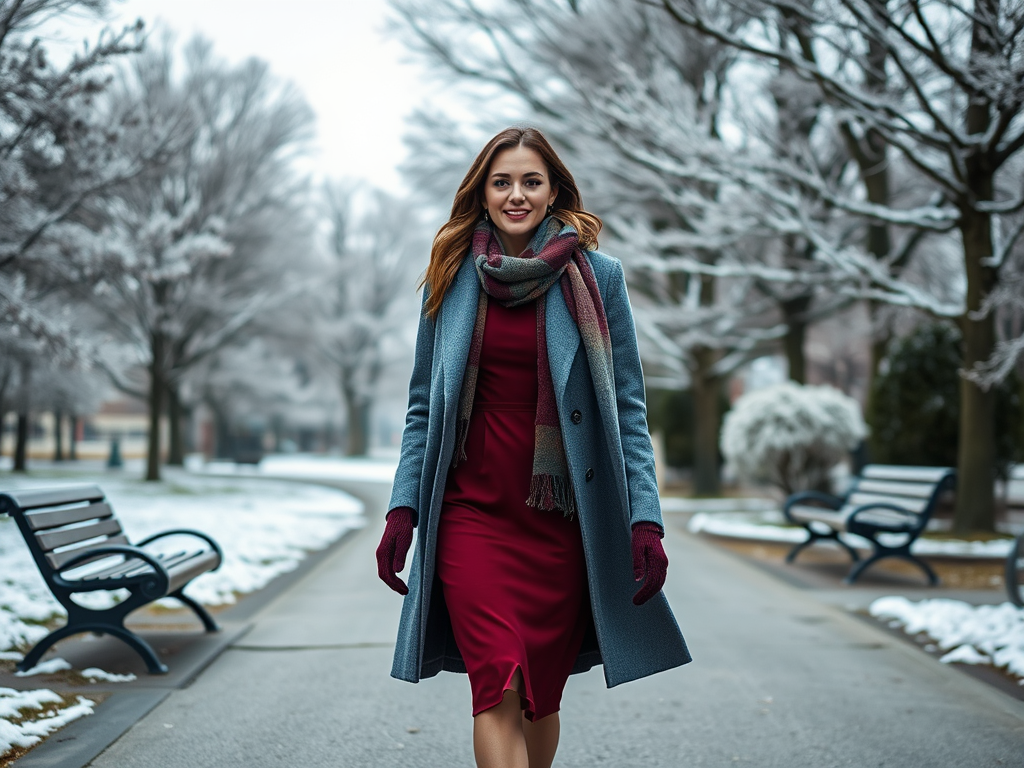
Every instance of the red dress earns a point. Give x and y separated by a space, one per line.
514 577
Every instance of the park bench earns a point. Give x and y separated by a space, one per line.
1011 494
887 505
79 546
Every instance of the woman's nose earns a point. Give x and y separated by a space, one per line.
517 193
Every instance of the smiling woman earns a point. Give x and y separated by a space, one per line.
526 463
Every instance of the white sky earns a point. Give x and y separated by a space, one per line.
360 83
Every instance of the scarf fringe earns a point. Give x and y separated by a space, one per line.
548 492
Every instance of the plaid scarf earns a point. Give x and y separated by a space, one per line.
553 255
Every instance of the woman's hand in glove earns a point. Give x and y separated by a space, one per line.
650 562
394 546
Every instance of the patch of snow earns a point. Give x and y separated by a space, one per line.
770 525
671 504
47 667
95 673
311 467
965 654
994 632
30 731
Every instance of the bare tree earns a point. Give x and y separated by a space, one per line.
953 108
198 247
368 298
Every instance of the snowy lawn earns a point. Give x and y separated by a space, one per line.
27 717
265 528
971 634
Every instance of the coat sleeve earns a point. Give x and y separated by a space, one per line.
406 490
630 399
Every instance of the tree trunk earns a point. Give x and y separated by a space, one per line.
21 444
976 459
73 437
58 435
793 312
157 388
975 497
357 423
706 393
24 419
176 447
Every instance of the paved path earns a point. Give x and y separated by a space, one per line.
780 678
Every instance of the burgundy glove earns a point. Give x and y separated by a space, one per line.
650 562
394 546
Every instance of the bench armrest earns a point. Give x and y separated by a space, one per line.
914 519
116 549
186 532
827 500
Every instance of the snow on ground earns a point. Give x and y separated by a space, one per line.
265 528
770 525
26 717
972 634
302 466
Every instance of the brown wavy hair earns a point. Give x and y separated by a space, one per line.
453 239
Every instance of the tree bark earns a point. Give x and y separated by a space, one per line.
975 496
24 419
175 414
357 424
706 394
793 312
73 437
58 435
157 388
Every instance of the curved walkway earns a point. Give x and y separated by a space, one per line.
780 678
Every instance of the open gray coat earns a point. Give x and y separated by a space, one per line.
630 641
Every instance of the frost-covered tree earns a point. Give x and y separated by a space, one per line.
368 297
58 155
952 107
197 248
792 436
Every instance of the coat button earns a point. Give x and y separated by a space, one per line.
589 475
576 417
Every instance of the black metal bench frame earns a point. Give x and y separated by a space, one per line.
863 519
71 527
1015 572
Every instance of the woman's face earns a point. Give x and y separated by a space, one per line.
517 194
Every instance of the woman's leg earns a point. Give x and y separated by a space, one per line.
498 740
541 740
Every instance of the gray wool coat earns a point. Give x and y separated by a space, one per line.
613 449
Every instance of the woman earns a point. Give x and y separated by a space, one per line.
526 462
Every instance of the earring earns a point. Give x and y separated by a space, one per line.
550 208
486 217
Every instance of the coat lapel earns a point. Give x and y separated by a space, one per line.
458 314
563 338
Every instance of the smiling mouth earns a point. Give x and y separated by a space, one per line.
516 215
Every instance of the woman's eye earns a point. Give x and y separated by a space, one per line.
500 183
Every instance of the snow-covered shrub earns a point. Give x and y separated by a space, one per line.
791 435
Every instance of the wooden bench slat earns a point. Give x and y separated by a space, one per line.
52 497
914 474
807 513
916 490
183 573
61 538
911 505
58 559
41 521
125 569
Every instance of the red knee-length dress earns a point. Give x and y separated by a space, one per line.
513 577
